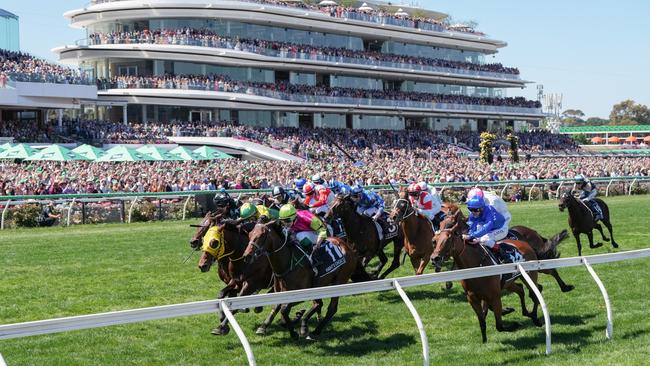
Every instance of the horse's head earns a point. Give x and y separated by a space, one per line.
341 206
209 220
565 200
213 247
445 240
261 241
402 209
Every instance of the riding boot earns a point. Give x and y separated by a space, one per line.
599 211
505 254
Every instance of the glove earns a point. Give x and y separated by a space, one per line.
466 237
376 216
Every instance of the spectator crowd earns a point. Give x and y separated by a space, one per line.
18 66
207 38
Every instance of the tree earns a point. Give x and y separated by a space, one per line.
572 117
596 121
347 3
580 138
628 112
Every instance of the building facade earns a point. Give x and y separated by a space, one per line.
293 64
9 31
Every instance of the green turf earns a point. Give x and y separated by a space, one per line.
46 273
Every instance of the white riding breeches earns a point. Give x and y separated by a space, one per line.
429 214
320 210
493 236
368 212
312 236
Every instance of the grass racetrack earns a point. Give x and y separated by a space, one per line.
55 272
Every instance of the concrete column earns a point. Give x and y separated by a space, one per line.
156 116
144 113
59 117
124 115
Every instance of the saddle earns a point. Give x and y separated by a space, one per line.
507 254
386 229
327 258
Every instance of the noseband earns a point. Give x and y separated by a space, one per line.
409 211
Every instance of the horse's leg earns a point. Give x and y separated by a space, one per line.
261 330
475 302
590 236
383 259
397 249
331 310
496 307
555 274
315 307
600 229
576 234
611 232
285 309
519 290
423 265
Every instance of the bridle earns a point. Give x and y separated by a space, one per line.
408 211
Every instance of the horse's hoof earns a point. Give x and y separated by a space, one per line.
506 311
311 337
568 288
597 245
245 310
448 285
510 327
537 322
614 245
221 330
261 331
606 239
258 309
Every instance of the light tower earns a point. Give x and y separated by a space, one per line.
552 104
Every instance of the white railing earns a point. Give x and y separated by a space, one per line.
60 325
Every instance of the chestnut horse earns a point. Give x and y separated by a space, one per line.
293 271
362 235
418 232
485 292
581 220
544 248
228 253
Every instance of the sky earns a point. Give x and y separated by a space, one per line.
595 53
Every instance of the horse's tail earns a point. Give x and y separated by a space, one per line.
549 250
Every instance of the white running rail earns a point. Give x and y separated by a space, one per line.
59 325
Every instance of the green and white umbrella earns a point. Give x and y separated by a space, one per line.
209 153
89 151
123 153
158 153
185 153
57 153
20 151
6 146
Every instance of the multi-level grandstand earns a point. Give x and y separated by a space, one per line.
286 63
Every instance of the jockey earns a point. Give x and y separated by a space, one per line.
338 187
299 183
226 205
369 204
309 230
493 200
486 225
589 192
425 204
250 211
318 198
282 196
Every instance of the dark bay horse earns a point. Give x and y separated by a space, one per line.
484 293
418 233
581 220
292 271
224 243
362 235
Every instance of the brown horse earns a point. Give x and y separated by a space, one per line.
293 271
418 232
544 248
362 235
485 292
225 244
581 220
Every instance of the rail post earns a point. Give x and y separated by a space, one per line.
418 322
2 361
530 193
607 189
240 333
504 190
629 192
135 199
185 206
557 193
542 303
609 331
4 213
67 223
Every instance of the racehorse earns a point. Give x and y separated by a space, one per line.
418 232
581 220
225 244
544 248
485 292
362 234
293 271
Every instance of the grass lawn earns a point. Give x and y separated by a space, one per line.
55 272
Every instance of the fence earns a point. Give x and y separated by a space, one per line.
139 206
60 325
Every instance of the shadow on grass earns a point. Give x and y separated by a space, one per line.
455 295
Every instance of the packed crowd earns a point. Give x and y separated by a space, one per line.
18 66
285 90
380 166
207 38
